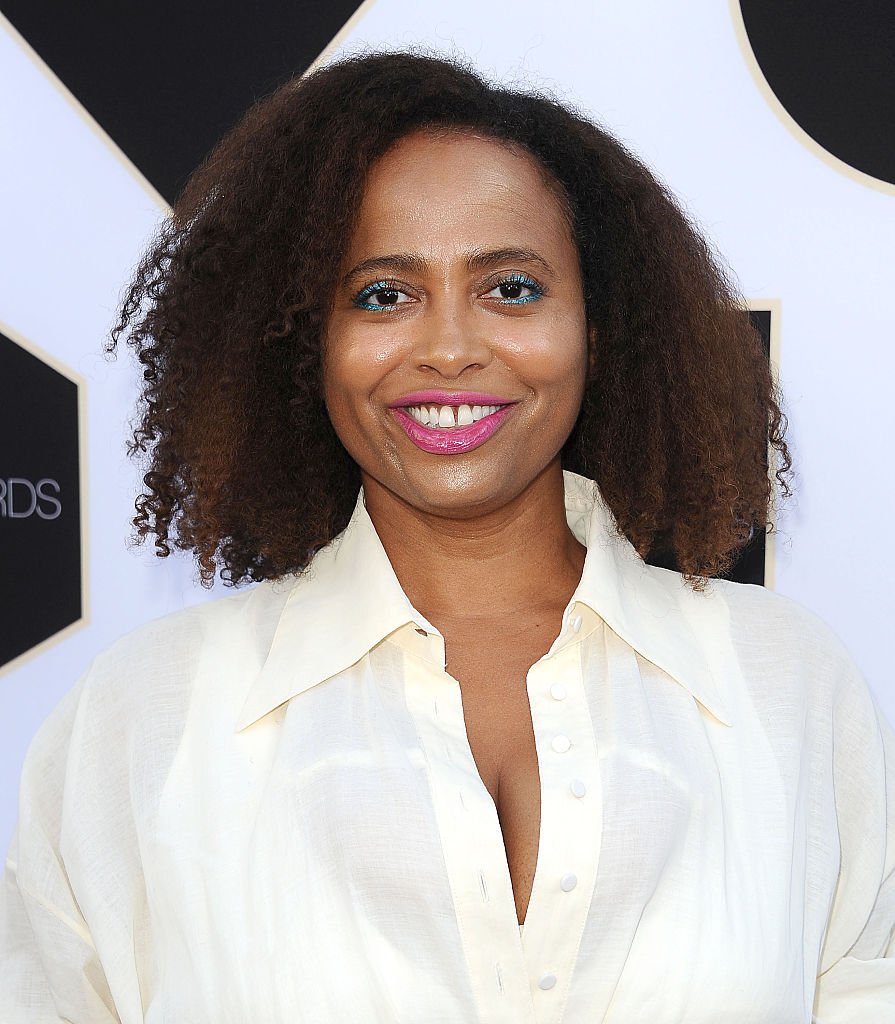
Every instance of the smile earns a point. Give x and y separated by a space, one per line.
448 429
443 415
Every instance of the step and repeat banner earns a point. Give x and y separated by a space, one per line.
772 125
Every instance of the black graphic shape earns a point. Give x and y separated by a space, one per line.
749 567
40 501
166 80
831 66
750 564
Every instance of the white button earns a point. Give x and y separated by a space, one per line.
576 623
561 744
548 981
577 787
568 882
558 691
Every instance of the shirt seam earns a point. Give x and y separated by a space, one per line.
60 915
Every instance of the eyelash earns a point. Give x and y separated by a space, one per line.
392 286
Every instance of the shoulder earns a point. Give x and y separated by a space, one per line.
137 696
157 669
240 625
781 626
766 648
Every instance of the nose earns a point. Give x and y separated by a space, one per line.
450 341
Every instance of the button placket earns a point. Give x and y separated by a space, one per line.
569 834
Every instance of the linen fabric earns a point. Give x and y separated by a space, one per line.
264 809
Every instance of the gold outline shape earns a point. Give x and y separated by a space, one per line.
340 36
80 383
788 121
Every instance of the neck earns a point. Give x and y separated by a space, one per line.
514 560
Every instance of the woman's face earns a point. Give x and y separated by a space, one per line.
461 290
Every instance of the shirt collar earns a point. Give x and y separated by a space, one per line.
349 600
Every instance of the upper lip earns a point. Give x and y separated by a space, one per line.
449 398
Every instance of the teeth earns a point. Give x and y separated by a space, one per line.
447 416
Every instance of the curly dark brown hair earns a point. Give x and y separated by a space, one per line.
227 308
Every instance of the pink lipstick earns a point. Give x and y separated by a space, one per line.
450 440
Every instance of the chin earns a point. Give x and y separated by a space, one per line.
458 490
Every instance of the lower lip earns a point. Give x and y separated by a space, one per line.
451 440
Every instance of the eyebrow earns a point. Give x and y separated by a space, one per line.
478 259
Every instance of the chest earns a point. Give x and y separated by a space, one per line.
306 872
497 716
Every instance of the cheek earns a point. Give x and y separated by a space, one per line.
553 357
358 359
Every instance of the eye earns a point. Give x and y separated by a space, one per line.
379 295
513 288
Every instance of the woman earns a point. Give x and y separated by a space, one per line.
439 366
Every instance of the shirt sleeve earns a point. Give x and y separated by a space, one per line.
49 967
856 982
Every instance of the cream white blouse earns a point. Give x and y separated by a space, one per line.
264 809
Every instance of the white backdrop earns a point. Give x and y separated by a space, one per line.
675 82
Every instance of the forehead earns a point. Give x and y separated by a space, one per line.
431 187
